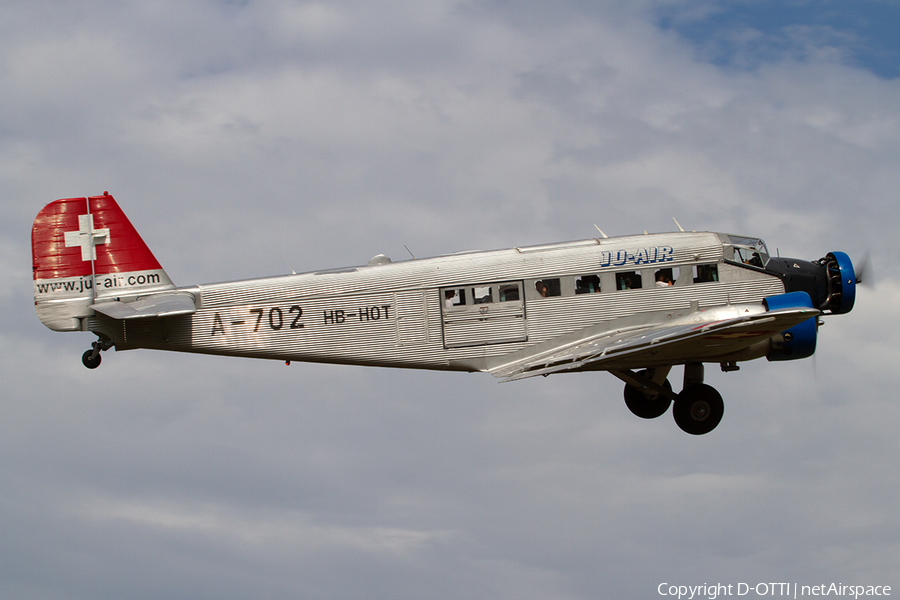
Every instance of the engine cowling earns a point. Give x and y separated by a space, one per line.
800 340
841 277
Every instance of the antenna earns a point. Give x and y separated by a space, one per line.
293 272
410 251
680 228
601 231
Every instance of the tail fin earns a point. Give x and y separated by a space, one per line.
83 249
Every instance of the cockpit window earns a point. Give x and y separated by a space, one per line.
749 251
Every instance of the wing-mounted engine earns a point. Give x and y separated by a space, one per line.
800 340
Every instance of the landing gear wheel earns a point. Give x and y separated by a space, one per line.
646 404
89 360
698 409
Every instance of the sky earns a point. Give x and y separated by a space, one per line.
247 138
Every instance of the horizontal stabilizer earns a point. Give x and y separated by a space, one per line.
160 305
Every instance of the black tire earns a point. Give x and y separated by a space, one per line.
646 407
698 409
90 361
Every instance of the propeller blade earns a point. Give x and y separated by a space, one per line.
864 273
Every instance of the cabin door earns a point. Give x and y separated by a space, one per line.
476 315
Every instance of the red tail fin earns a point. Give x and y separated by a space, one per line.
84 248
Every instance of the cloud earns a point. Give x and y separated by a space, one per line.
287 531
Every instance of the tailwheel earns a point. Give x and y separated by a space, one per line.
698 409
647 404
91 358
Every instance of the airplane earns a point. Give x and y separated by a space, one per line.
635 306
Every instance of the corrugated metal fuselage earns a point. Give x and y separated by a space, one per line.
469 311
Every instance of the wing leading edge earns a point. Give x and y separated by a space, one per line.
655 344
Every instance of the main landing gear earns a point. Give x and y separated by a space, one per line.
91 358
698 408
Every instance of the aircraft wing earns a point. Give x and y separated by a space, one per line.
657 344
159 305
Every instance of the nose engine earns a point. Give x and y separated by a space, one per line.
840 283
830 282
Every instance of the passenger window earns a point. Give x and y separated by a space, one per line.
454 297
628 280
547 287
482 294
509 292
665 277
704 273
587 284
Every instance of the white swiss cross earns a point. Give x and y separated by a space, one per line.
87 237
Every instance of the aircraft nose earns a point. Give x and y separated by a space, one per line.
830 281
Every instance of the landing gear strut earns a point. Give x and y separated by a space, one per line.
91 358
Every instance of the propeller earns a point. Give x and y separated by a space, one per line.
864 273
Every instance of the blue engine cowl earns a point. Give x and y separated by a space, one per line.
841 283
800 340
